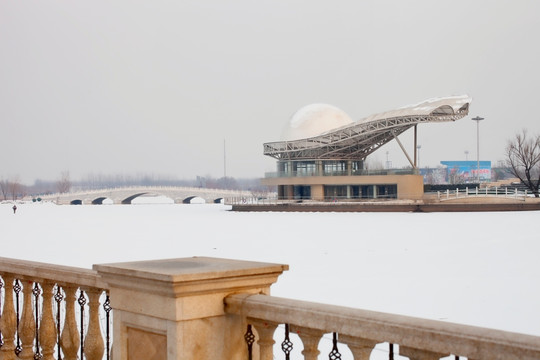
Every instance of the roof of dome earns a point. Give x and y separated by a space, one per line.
322 131
313 120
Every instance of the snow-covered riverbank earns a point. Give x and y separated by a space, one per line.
474 268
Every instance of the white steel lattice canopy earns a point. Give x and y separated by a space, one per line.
359 139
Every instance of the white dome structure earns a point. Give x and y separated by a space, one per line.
313 120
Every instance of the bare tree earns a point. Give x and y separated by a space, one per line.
63 185
4 188
15 188
523 159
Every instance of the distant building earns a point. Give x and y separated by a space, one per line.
323 151
467 171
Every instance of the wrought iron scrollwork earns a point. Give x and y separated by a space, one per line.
36 291
287 344
334 354
250 339
1 286
82 301
17 290
107 307
58 297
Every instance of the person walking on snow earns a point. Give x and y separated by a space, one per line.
14 208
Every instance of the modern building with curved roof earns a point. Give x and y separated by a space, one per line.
323 151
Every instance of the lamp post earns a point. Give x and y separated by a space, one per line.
478 119
419 147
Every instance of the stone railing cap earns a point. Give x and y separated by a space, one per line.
63 275
189 269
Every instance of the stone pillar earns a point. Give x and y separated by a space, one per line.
173 309
317 192
27 324
360 348
266 338
289 192
310 339
93 342
8 321
70 339
47 328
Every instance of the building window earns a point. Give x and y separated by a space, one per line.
335 168
334 192
305 168
302 192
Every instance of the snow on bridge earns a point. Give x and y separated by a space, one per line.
125 195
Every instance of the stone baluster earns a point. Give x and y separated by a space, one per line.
418 354
360 348
310 338
93 342
266 341
27 324
47 328
8 322
70 338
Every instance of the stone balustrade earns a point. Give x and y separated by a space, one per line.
200 308
52 312
361 330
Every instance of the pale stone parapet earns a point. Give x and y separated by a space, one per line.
175 306
420 338
40 272
199 308
40 289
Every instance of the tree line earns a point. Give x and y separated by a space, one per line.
13 189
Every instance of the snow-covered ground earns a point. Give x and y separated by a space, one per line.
474 268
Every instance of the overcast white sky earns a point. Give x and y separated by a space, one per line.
127 87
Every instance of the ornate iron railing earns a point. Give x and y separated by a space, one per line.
361 330
52 312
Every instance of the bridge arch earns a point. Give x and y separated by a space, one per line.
219 200
102 200
76 202
194 200
130 198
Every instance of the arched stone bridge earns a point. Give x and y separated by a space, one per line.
126 195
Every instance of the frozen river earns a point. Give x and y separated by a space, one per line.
473 268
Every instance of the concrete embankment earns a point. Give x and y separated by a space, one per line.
394 207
